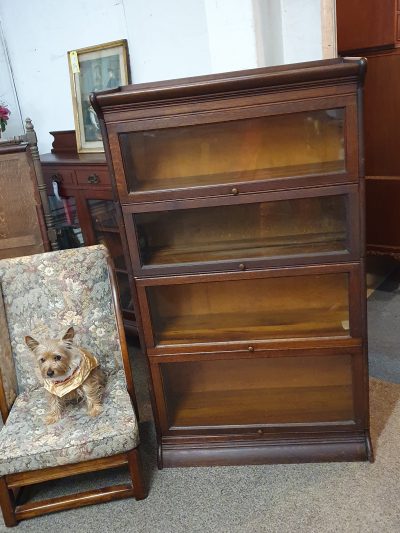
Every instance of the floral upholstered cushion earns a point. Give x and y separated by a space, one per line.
26 443
45 294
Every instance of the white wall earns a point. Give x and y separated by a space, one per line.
166 38
8 95
301 30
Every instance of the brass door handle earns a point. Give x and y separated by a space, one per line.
57 178
93 178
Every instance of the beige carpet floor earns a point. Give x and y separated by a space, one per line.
312 498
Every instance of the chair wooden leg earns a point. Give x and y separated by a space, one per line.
7 504
136 471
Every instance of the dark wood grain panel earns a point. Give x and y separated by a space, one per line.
365 24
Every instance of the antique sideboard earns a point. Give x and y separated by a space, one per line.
84 210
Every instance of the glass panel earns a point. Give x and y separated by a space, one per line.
263 308
283 228
124 291
69 232
259 391
251 149
103 214
106 230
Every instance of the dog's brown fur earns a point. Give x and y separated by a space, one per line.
54 359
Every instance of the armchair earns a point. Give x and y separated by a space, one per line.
42 295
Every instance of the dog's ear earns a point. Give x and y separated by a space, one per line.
31 343
69 335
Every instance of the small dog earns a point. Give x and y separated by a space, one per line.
69 373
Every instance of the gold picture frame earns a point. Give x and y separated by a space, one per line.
95 68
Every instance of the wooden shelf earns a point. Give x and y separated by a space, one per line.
121 271
241 249
298 323
309 169
108 229
290 405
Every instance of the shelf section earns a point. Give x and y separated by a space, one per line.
310 169
301 323
106 229
245 309
251 248
261 391
293 227
296 406
253 149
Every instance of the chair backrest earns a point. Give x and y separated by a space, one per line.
22 223
45 294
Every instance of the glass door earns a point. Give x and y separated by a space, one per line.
297 304
250 149
65 215
272 227
258 391
106 232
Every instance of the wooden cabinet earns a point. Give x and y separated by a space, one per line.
243 197
372 29
85 212
365 25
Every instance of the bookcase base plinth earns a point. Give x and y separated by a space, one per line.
337 448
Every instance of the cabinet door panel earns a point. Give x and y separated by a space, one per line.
251 149
106 231
258 391
218 236
63 176
66 221
249 307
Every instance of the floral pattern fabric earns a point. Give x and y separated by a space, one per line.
45 294
27 443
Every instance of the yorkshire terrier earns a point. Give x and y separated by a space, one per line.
69 373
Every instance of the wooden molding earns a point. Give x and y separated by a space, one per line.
328 29
268 79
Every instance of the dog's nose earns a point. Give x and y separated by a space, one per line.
50 373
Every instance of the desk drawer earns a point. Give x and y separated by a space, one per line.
93 176
64 176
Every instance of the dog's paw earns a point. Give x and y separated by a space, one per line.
95 410
51 419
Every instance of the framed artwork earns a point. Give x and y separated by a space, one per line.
96 68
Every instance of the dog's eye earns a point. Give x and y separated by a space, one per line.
42 359
57 358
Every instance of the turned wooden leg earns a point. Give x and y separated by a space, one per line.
136 471
7 504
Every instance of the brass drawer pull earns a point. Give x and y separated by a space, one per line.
251 348
57 178
235 191
242 266
260 431
93 178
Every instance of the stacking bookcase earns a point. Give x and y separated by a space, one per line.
242 197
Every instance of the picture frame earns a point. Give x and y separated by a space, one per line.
95 68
